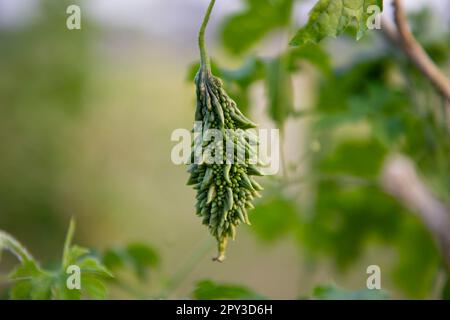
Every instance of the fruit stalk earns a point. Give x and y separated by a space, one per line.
204 58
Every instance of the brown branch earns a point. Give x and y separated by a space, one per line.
406 41
400 179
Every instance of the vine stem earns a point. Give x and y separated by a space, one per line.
8 242
204 58
68 243
404 39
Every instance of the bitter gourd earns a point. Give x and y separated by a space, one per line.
225 188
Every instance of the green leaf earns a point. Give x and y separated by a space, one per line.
114 258
93 287
333 17
244 29
61 292
142 257
73 254
209 290
331 292
93 266
30 282
21 290
42 288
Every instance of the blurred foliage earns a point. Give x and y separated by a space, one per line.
42 89
275 217
383 93
139 256
209 290
245 28
365 106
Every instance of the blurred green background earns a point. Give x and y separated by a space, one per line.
86 117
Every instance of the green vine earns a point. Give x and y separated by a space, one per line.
204 58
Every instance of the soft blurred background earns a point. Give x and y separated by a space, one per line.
86 117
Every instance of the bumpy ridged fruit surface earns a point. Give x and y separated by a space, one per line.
225 190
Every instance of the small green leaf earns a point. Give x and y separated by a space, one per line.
74 253
333 17
114 258
142 258
209 290
93 266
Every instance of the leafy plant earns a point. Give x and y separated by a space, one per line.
31 281
332 17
